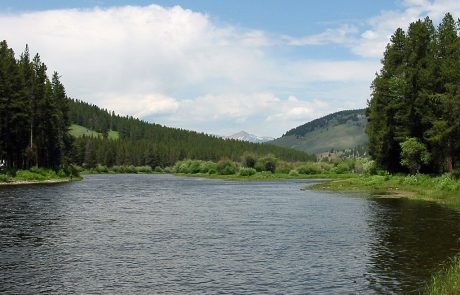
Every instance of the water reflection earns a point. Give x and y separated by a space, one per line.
412 240
147 234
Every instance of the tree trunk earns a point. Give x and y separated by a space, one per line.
450 165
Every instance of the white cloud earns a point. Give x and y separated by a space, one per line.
140 105
370 40
342 35
177 67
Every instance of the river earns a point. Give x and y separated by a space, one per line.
162 234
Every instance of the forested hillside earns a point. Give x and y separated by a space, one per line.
415 105
36 116
338 131
141 143
33 113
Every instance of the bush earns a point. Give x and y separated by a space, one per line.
311 168
226 167
168 170
247 171
205 167
4 178
284 167
102 169
293 173
259 166
144 169
158 169
269 163
249 160
456 173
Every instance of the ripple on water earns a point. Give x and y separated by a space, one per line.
174 235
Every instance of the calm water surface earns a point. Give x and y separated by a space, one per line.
151 234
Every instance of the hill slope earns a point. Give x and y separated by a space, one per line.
141 143
337 131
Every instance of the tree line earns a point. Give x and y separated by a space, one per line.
142 143
34 117
414 109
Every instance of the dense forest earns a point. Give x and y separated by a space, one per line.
34 118
415 105
36 114
143 143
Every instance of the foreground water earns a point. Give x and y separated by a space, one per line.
133 234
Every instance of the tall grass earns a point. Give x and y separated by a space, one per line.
447 281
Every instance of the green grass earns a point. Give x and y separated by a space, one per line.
442 189
79 131
35 175
447 281
114 135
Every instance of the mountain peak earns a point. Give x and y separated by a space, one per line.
245 136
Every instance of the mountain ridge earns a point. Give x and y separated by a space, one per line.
336 131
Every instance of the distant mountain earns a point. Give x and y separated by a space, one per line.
337 131
244 136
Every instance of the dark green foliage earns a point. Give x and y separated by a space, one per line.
33 113
249 160
143 143
416 95
414 154
226 167
247 171
268 163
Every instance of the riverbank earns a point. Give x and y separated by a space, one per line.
443 190
36 176
268 176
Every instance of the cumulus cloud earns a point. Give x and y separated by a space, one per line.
369 40
345 34
175 66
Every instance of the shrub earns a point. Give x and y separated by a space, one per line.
456 173
226 167
168 170
102 169
259 166
247 171
293 173
310 168
144 169
158 169
205 167
284 167
4 178
249 160
269 163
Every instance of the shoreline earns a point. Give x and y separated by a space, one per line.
30 182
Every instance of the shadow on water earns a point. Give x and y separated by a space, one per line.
412 241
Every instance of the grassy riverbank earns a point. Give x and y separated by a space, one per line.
443 190
268 176
36 175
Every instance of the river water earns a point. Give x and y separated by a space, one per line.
161 234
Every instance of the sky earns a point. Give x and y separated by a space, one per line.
215 66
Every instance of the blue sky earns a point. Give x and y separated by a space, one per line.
215 66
